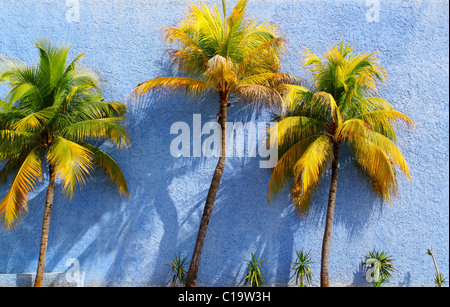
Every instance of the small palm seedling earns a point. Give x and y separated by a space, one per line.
379 268
439 279
254 276
177 267
302 271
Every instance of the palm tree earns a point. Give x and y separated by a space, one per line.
341 107
221 55
49 115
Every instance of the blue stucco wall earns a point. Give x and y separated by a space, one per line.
129 242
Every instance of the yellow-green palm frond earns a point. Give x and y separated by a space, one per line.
108 128
52 63
354 130
382 121
283 170
308 171
294 94
258 95
12 143
322 104
190 63
24 90
14 204
72 163
105 162
208 23
291 129
360 134
178 84
272 79
259 55
36 120
234 26
364 105
378 118
188 43
311 59
379 169
313 160
391 150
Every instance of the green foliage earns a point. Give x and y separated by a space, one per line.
177 267
379 268
302 271
214 52
340 107
52 111
254 275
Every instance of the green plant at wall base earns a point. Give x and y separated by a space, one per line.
178 268
439 279
254 275
379 268
302 271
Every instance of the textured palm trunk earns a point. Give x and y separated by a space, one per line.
45 227
324 279
191 279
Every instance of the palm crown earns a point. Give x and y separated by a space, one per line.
224 54
51 112
341 107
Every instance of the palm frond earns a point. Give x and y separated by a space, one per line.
293 95
283 170
177 84
108 128
259 95
36 120
72 163
309 169
14 204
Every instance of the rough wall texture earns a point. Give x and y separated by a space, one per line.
129 242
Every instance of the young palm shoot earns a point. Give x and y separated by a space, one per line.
254 275
302 271
379 268
178 268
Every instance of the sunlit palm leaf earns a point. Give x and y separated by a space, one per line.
177 84
36 120
108 128
14 204
72 163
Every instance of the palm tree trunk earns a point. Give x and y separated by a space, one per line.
191 279
45 227
324 280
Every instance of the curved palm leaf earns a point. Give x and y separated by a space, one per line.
72 163
14 204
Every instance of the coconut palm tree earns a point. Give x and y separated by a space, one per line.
52 111
224 55
341 107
